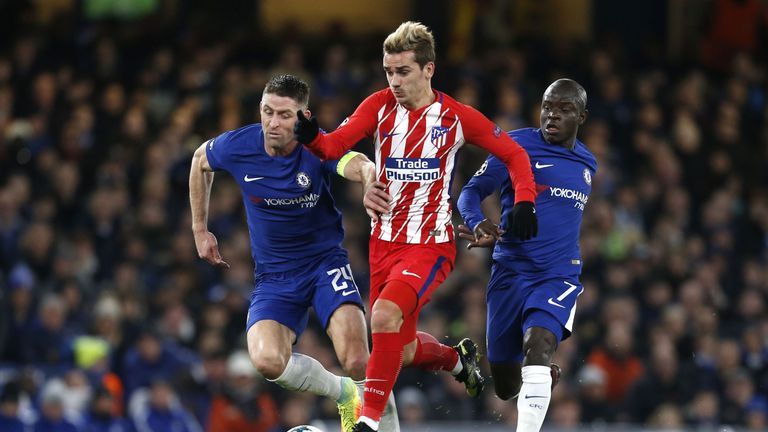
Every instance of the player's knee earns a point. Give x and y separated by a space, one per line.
355 366
269 364
386 317
539 351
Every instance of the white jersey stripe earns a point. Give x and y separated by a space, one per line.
572 315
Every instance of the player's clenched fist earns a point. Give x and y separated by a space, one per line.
305 129
208 249
524 223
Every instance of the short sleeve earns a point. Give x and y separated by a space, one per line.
217 151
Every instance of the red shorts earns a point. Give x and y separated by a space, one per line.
423 267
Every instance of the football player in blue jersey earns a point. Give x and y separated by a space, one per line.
296 235
534 283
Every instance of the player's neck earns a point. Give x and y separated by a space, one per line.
423 100
569 144
281 151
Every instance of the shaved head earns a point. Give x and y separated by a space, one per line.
569 89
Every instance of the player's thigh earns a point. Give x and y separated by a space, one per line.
505 301
347 330
334 286
557 296
282 297
423 268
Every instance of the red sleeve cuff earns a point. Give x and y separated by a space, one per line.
525 194
323 149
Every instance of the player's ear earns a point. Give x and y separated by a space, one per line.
307 113
429 69
583 116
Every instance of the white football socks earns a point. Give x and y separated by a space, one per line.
305 374
533 400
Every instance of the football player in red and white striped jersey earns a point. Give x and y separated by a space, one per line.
417 133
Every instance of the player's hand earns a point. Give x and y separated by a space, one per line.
305 129
208 249
376 200
485 235
524 223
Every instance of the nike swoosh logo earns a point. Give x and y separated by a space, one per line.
540 165
391 134
532 397
554 303
346 293
250 179
407 273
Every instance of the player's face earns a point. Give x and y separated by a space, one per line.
409 82
560 116
278 115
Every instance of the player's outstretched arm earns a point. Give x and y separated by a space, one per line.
361 124
483 133
200 182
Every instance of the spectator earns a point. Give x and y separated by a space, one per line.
242 404
621 367
664 384
412 406
9 409
52 418
157 409
151 359
101 416
596 407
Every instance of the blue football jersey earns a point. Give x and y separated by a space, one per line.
563 184
292 219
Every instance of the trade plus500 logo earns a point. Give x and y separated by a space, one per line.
305 201
412 169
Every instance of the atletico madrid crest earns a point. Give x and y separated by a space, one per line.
438 135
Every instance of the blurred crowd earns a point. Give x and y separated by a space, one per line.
109 321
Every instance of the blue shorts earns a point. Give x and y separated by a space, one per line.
286 297
517 302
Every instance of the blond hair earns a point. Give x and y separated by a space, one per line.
412 36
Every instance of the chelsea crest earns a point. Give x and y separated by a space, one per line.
303 180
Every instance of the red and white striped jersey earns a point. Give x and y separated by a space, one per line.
416 156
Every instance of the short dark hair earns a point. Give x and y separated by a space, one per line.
288 86
575 89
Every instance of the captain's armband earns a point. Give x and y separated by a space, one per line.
344 161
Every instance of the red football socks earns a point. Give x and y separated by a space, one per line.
431 355
383 368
